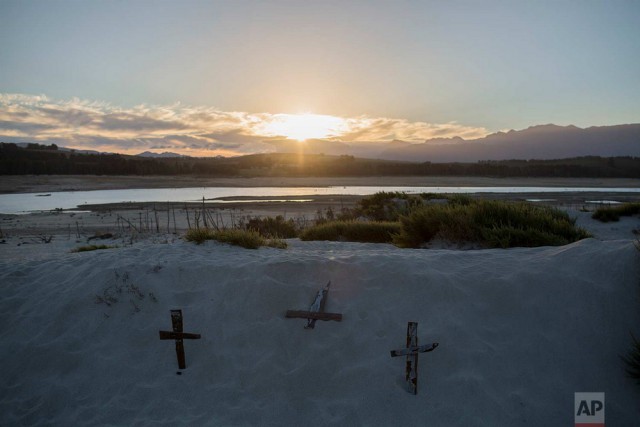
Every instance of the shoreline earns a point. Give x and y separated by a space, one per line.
176 216
123 218
10 184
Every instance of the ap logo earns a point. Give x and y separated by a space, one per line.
589 409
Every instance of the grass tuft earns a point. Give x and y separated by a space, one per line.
277 243
199 235
609 214
352 231
248 239
389 206
276 227
493 224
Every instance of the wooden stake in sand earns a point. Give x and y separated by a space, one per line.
316 312
411 351
178 335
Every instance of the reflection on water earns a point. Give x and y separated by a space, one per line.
258 200
22 203
603 202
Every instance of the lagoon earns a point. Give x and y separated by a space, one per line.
21 203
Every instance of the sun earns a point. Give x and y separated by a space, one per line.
303 126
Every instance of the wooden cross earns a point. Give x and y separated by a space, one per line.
316 311
411 351
178 335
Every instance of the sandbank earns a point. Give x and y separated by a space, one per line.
49 183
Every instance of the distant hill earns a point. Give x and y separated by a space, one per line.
36 159
536 142
35 146
543 142
366 150
166 154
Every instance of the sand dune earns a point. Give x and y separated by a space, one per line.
520 331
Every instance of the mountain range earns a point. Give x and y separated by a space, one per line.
536 142
541 142
166 154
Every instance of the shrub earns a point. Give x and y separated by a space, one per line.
248 239
523 224
276 227
605 215
422 225
245 238
199 235
277 243
351 231
608 214
389 206
489 223
460 199
507 237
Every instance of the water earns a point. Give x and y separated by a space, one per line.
30 202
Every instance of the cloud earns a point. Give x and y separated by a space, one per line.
24 128
386 129
190 130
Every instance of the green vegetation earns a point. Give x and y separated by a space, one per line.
199 235
92 248
490 223
414 220
248 239
389 206
276 243
276 227
608 214
351 231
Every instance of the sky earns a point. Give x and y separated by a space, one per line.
228 77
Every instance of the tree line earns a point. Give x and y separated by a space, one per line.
36 159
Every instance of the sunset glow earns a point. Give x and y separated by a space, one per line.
304 126
236 78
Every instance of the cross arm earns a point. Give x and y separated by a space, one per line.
414 350
316 315
170 335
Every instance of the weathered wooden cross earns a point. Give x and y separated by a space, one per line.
411 351
316 312
178 335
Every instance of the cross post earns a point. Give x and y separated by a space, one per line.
411 351
316 311
178 336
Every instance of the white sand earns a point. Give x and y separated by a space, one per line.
520 331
